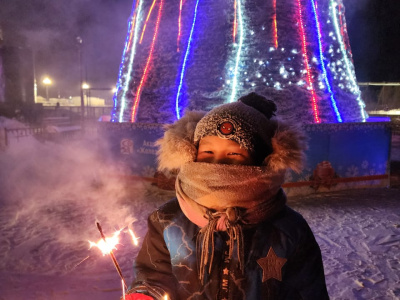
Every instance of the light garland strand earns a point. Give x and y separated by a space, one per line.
147 19
133 26
309 80
275 26
234 33
235 75
128 43
347 63
130 63
178 94
139 90
322 62
179 25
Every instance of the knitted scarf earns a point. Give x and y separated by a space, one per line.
220 197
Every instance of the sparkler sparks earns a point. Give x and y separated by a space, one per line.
134 238
111 247
106 245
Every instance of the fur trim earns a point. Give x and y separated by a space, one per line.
288 146
177 146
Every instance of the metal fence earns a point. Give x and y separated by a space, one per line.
48 133
74 112
381 95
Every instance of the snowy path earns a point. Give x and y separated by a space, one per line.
358 232
359 235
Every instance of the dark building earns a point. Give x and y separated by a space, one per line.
16 76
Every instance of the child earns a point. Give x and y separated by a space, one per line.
229 233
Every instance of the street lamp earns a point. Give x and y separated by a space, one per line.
80 54
47 82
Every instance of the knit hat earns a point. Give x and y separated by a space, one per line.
245 122
250 122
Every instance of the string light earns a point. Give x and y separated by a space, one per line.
235 74
131 28
234 20
309 81
326 69
178 94
347 63
275 26
130 64
147 19
138 92
322 62
179 25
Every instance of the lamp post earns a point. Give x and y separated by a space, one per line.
80 54
47 82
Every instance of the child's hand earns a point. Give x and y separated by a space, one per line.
137 296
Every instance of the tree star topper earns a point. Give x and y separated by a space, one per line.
271 265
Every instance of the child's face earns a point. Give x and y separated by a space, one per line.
213 149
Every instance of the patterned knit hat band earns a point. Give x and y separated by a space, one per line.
235 121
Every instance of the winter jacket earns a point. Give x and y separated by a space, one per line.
167 264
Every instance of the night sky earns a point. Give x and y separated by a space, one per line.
50 28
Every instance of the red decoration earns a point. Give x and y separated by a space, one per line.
226 128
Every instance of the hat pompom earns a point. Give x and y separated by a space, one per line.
177 147
262 104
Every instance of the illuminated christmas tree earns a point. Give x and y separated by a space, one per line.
195 54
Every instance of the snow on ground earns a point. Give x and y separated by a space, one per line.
51 195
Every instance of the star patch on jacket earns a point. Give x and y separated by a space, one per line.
271 265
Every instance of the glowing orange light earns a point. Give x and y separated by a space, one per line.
145 23
275 27
179 24
109 245
133 26
138 92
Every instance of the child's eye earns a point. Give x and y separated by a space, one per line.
208 151
234 153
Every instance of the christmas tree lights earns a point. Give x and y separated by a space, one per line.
139 90
205 52
178 94
307 64
323 63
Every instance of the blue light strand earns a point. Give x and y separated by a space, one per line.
118 86
321 57
178 94
351 75
131 58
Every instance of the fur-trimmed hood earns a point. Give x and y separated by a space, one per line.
177 147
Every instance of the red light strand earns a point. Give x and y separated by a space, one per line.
139 90
309 80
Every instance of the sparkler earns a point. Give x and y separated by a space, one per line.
112 255
134 238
